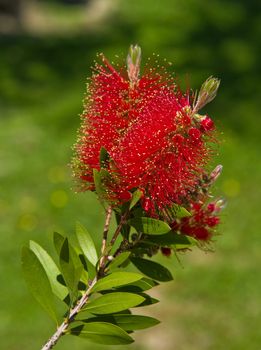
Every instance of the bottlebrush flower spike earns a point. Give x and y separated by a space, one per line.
147 126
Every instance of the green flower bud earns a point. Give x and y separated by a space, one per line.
133 63
206 93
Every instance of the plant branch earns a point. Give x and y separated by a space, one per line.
118 230
105 236
62 329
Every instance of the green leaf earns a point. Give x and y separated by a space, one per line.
148 300
120 259
71 268
149 226
152 269
136 196
113 302
179 212
139 286
86 243
102 333
185 243
178 247
37 281
51 270
105 176
116 279
135 322
126 321
85 272
104 158
169 239
99 186
58 240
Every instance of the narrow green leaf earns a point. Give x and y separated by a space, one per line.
37 281
79 256
182 246
102 333
58 240
179 212
152 269
113 302
169 239
139 286
71 268
116 279
136 196
98 185
148 300
85 272
120 259
51 270
125 321
104 158
105 176
135 322
86 243
149 226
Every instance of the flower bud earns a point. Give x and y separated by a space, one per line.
166 251
215 173
220 204
211 207
215 207
207 124
133 63
206 93
212 221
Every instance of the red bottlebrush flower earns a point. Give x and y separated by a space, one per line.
161 154
111 106
207 124
148 128
195 134
201 223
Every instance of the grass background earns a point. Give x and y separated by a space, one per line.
214 302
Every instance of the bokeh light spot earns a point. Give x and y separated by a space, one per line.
27 222
231 187
59 198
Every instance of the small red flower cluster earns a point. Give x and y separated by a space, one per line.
202 222
155 139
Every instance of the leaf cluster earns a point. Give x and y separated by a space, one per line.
105 292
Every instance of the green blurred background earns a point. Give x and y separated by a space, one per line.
46 50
